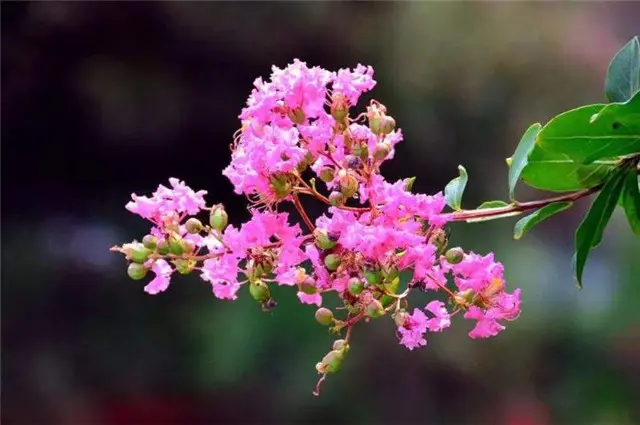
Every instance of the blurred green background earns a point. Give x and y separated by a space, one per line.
103 99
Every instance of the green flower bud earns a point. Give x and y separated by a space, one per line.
331 363
140 254
348 185
218 218
454 255
361 150
259 290
332 262
193 226
339 107
150 242
355 286
308 286
336 199
326 174
373 277
387 125
297 115
185 266
163 247
408 185
374 309
322 239
324 316
340 345
375 124
136 271
176 247
382 151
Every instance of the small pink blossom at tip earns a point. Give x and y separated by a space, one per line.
160 283
413 329
315 299
441 319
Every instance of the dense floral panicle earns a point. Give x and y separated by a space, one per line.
374 234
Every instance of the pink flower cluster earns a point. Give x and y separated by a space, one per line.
377 242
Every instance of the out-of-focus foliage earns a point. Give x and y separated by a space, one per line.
102 99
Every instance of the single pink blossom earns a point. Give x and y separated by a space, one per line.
160 283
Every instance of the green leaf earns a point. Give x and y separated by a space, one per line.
492 204
455 188
594 132
520 156
527 223
623 75
589 233
631 200
557 172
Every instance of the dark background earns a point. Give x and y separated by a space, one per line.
101 99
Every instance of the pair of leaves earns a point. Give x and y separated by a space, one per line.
622 183
577 149
570 152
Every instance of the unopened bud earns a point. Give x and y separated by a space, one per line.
326 174
136 271
348 184
355 286
339 107
259 290
454 255
382 151
193 226
322 239
373 277
139 254
332 362
185 266
150 242
163 247
336 199
340 344
297 115
176 247
387 125
218 218
308 286
361 150
324 316
374 309
332 262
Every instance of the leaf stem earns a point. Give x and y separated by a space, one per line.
519 207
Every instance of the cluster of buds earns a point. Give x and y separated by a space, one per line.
376 244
